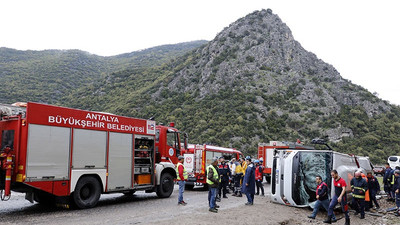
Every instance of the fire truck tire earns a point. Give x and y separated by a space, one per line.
87 192
164 190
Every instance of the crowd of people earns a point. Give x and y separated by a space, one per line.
363 189
242 176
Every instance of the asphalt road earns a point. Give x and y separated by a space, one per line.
141 208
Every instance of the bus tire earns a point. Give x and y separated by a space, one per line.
87 192
164 190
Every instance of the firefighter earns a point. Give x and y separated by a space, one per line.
249 180
322 196
224 173
213 181
259 178
387 178
181 177
237 178
358 188
338 197
374 188
396 186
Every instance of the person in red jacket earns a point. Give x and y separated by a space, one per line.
181 177
259 178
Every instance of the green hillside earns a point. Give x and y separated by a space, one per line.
253 83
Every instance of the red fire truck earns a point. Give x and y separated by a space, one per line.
266 153
198 157
70 156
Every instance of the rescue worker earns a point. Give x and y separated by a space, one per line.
232 167
396 186
259 178
338 197
358 188
261 164
249 180
237 178
224 173
393 181
374 188
213 181
181 177
322 196
387 179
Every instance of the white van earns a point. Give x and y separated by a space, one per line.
394 161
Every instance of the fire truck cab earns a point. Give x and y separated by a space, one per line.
198 157
63 155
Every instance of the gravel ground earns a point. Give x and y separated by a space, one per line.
143 208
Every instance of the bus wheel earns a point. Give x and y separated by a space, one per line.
164 190
87 192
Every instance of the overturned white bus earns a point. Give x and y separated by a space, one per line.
294 173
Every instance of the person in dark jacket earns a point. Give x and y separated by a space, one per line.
374 188
249 182
358 188
224 173
396 188
322 196
387 179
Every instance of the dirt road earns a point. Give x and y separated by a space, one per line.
143 208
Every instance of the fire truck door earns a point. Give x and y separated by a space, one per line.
198 161
119 161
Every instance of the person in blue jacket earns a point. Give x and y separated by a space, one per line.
387 182
249 182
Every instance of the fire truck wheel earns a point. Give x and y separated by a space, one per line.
87 192
164 190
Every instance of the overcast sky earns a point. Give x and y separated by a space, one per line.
360 38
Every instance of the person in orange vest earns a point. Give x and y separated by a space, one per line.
181 177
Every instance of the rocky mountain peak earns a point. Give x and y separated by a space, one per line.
259 53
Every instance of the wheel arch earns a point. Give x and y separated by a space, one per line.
164 168
100 175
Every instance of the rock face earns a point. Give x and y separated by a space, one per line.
258 53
